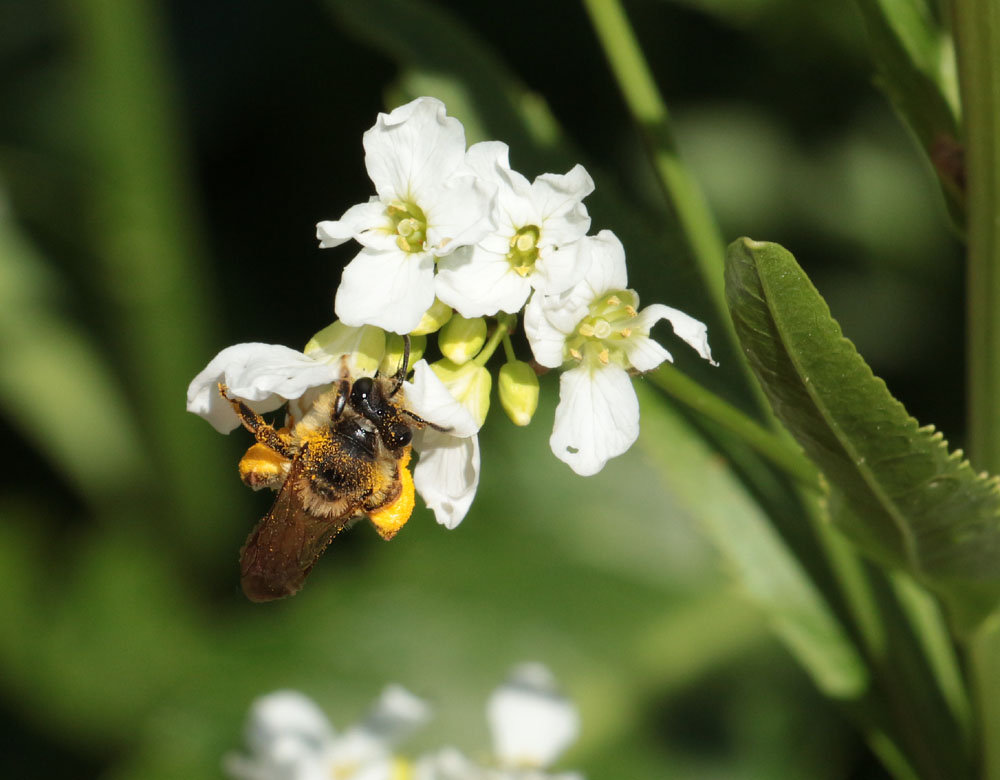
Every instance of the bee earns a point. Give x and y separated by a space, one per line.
347 457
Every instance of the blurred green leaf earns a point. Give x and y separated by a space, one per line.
916 69
56 386
760 561
913 504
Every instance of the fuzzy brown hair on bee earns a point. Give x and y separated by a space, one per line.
347 457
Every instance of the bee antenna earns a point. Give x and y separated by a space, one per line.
401 374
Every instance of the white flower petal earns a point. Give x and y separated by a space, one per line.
263 375
606 270
447 474
690 330
489 160
286 714
396 715
477 283
428 398
412 149
643 353
531 722
597 417
459 213
361 349
357 221
559 199
547 342
389 289
557 270
449 764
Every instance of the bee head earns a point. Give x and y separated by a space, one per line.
370 401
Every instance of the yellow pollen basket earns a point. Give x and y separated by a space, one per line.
262 467
390 518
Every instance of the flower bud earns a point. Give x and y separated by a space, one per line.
436 316
469 384
393 357
460 339
518 391
364 347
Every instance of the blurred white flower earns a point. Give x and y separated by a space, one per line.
597 326
429 203
289 738
532 246
531 724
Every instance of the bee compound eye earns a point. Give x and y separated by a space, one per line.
403 437
362 389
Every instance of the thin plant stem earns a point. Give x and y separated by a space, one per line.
780 451
681 192
650 112
976 25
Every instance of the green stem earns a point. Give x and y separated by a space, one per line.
650 113
505 324
976 25
684 198
766 443
508 348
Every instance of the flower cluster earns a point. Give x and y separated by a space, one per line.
454 236
289 738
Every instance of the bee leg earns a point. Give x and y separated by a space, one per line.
263 431
424 423
343 393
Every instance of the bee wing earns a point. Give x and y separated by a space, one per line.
285 544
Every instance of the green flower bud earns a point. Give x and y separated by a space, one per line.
518 391
460 339
364 347
469 384
393 358
436 316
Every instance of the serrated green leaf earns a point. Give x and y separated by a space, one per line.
913 504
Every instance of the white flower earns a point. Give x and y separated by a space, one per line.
263 375
447 473
533 246
289 738
597 326
268 375
429 204
531 724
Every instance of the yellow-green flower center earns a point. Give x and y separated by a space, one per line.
601 334
524 250
410 225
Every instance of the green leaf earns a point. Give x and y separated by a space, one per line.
771 576
912 504
916 69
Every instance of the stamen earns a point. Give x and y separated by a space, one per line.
575 353
630 311
586 330
604 356
614 300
